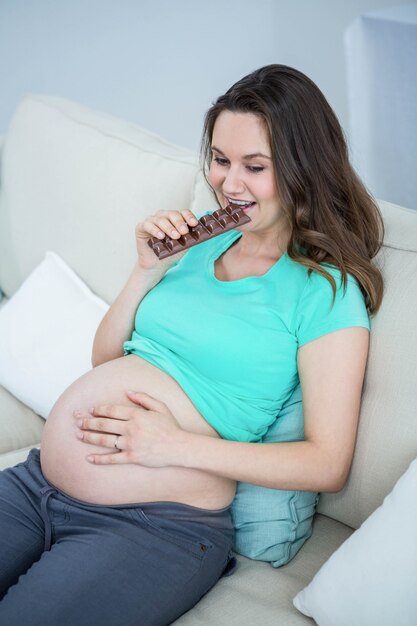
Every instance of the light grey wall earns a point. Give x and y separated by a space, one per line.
161 63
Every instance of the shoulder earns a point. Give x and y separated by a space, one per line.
311 283
321 309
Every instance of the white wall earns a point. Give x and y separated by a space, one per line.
161 63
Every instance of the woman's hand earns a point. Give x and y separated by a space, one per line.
145 434
171 223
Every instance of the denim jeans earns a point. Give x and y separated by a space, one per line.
68 562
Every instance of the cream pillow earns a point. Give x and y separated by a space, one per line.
46 334
371 579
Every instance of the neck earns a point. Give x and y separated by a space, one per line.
256 245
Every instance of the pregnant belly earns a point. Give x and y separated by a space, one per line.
63 456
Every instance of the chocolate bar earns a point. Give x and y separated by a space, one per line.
208 226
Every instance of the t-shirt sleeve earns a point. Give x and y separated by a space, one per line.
315 314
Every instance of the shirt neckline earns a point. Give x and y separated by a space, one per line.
226 243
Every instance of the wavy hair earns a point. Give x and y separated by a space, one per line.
333 218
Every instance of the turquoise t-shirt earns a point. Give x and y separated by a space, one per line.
232 346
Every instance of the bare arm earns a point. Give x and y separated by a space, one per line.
117 325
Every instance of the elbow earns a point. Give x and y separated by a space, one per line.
337 478
335 463
94 355
99 359
95 361
102 353
334 486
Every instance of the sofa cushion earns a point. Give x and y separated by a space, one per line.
19 425
12 458
273 524
371 578
257 593
81 180
47 330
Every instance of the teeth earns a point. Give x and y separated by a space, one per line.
239 202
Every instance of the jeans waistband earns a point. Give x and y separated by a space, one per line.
216 518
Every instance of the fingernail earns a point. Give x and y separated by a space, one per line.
90 459
79 423
131 391
77 413
79 435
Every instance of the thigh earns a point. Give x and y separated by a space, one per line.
124 572
21 527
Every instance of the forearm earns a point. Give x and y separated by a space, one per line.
300 465
117 325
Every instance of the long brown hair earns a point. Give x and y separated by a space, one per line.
333 218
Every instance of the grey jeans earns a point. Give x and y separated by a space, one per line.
67 562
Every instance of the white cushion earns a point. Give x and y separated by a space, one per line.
46 334
371 579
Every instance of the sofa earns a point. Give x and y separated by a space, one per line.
75 182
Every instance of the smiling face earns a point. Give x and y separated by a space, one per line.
241 171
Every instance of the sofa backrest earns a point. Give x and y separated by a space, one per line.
76 181
387 436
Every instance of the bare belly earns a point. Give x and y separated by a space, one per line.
63 456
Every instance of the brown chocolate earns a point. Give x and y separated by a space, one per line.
208 226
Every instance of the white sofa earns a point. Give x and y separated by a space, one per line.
76 181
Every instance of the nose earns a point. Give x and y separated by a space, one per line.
232 182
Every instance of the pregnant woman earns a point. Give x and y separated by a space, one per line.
124 515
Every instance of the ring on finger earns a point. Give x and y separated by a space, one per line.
116 441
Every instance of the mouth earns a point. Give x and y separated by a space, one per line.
245 205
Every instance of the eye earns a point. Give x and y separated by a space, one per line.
255 169
220 161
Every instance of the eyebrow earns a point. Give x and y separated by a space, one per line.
247 156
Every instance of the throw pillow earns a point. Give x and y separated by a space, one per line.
371 578
46 334
272 524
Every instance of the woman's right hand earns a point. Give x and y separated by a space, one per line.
171 223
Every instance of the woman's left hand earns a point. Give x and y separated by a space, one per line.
145 434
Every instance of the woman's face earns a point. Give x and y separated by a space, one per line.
241 169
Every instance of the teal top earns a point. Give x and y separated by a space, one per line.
232 346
